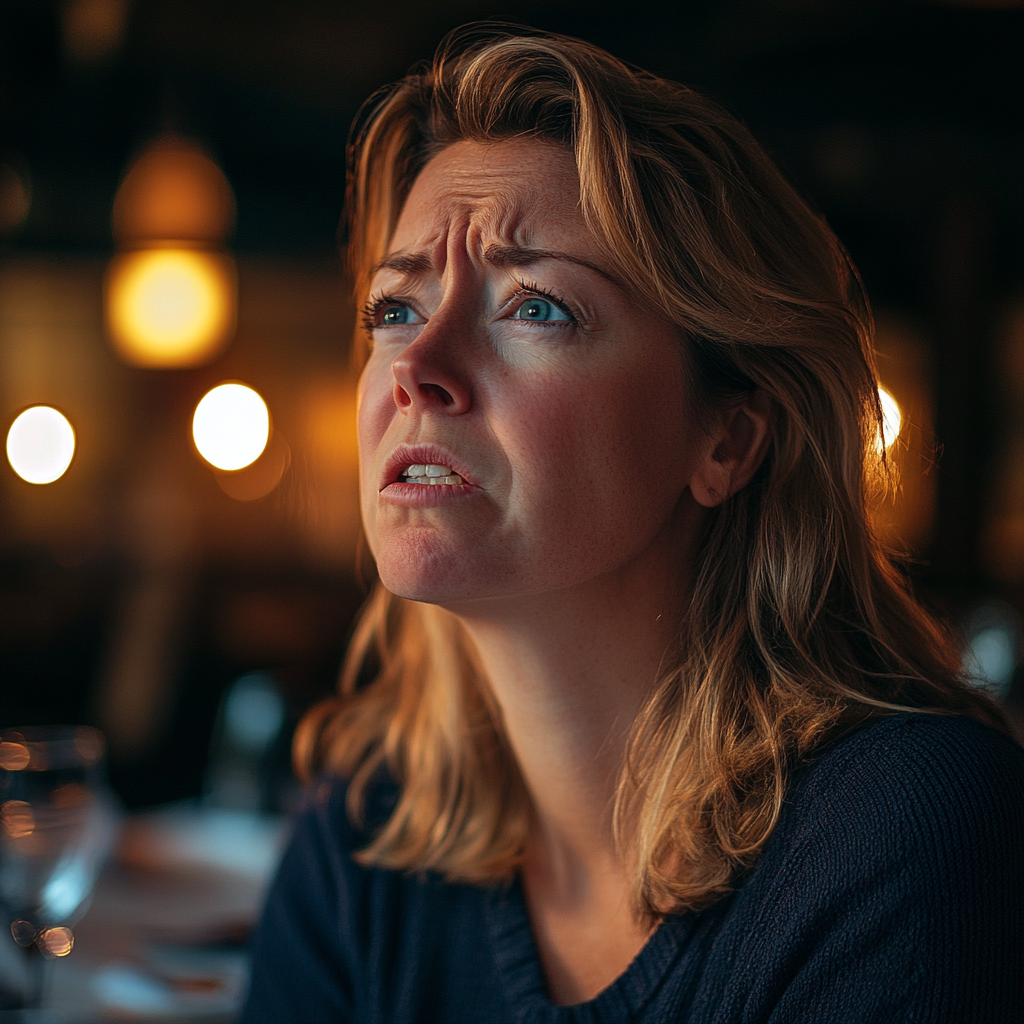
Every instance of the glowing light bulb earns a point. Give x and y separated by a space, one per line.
892 419
170 307
40 445
231 426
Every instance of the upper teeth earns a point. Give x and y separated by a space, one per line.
430 474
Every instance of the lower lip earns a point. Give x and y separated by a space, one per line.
426 495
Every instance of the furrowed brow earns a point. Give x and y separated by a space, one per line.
417 264
411 264
522 256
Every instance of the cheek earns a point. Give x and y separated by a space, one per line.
375 408
541 430
654 428
595 449
631 420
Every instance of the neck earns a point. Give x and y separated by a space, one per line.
571 671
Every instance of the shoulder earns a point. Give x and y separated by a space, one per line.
912 769
893 885
343 941
326 811
916 743
919 737
306 949
922 797
894 881
326 833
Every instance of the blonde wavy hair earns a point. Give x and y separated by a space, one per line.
799 626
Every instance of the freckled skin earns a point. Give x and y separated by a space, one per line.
578 436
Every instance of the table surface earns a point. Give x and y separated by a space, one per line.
164 939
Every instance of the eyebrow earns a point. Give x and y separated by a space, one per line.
521 256
409 263
414 264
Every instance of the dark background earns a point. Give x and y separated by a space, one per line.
900 121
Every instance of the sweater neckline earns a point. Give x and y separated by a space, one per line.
519 966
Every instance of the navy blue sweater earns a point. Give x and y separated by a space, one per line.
892 889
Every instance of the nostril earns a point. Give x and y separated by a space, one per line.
436 391
402 397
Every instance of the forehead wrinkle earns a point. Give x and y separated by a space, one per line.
468 208
497 212
467 223
416 262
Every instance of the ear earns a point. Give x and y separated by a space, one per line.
736 448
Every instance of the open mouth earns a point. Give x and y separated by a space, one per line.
429 474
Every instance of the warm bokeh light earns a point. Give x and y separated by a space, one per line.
40 445
174 191
14 756
170 307
892 419
172 294
93 29
54 942
259 478
18 819
231 426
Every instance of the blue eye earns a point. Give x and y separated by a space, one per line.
540 310
393 315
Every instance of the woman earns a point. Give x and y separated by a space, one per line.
639 723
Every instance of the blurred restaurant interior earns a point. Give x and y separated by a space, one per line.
171 181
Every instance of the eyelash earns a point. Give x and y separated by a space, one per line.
378 302
373 307
526 290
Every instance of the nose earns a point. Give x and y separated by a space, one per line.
429 374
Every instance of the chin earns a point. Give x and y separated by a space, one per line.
416 569
452 582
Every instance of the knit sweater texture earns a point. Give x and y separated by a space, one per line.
892 889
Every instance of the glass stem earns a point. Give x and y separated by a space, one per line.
35 982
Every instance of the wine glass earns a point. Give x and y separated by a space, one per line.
57 823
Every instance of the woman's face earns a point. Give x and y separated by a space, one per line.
504 351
